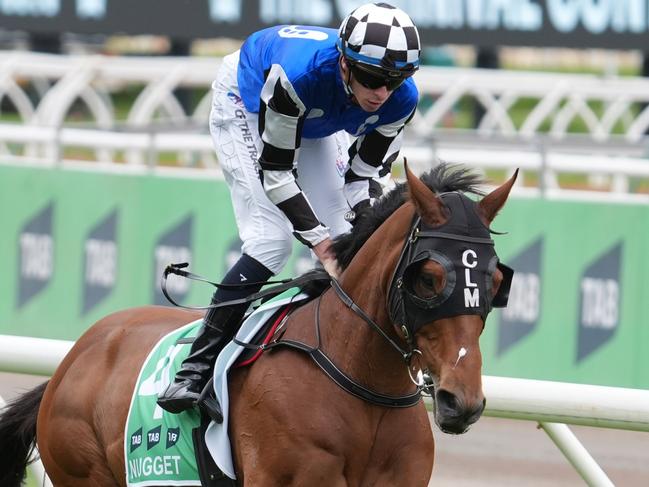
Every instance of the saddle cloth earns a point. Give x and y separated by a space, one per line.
158 447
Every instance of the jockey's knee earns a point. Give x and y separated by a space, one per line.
273 254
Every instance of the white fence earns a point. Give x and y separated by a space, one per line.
45 90
551 404
601 103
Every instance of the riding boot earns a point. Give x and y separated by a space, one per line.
219 326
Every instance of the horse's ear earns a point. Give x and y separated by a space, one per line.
428 205
491 204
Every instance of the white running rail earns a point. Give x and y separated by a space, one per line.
551 404
555 99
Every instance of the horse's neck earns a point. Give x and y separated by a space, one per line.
365 354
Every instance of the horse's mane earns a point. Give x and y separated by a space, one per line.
442 178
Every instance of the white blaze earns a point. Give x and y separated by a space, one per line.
460 354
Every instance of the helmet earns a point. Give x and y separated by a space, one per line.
381 40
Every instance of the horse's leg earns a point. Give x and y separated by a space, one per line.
403 451
281 441
68 444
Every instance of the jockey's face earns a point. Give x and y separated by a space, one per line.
369 99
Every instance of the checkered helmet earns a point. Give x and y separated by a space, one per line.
380 38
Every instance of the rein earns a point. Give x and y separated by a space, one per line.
349 302
264 295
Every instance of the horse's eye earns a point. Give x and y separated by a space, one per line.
427 286
428 281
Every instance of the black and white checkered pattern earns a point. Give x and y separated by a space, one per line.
381 35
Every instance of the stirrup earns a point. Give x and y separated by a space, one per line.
212 408
208 403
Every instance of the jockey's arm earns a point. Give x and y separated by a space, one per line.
281 116
370 162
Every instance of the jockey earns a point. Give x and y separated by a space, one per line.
283 108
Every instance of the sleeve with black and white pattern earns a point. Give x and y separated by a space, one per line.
281 116
370 160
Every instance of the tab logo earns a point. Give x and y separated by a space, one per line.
599 302
136 440
153 437
173 247
523 311
173 435
471 291
100 262
35 255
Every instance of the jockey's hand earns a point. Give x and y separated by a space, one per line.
325 255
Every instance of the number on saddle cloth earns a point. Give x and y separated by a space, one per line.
164 448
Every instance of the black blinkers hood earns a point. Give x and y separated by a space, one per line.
464 248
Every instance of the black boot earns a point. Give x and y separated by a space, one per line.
219 326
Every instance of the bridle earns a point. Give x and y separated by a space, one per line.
409 312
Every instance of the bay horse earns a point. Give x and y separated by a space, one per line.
406 301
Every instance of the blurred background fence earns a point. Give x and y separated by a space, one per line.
152 111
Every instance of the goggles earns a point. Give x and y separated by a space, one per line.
374 81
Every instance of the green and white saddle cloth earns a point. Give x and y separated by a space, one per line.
158 446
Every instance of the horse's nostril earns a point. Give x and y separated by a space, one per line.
447 402
450 405
453 415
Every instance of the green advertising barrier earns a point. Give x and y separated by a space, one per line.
591 323
88 220
78 245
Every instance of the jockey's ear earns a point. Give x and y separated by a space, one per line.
344 66
491 204
428 205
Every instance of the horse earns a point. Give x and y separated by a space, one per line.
405 302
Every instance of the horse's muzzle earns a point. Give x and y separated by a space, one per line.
452 415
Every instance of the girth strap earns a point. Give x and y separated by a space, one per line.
348 384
